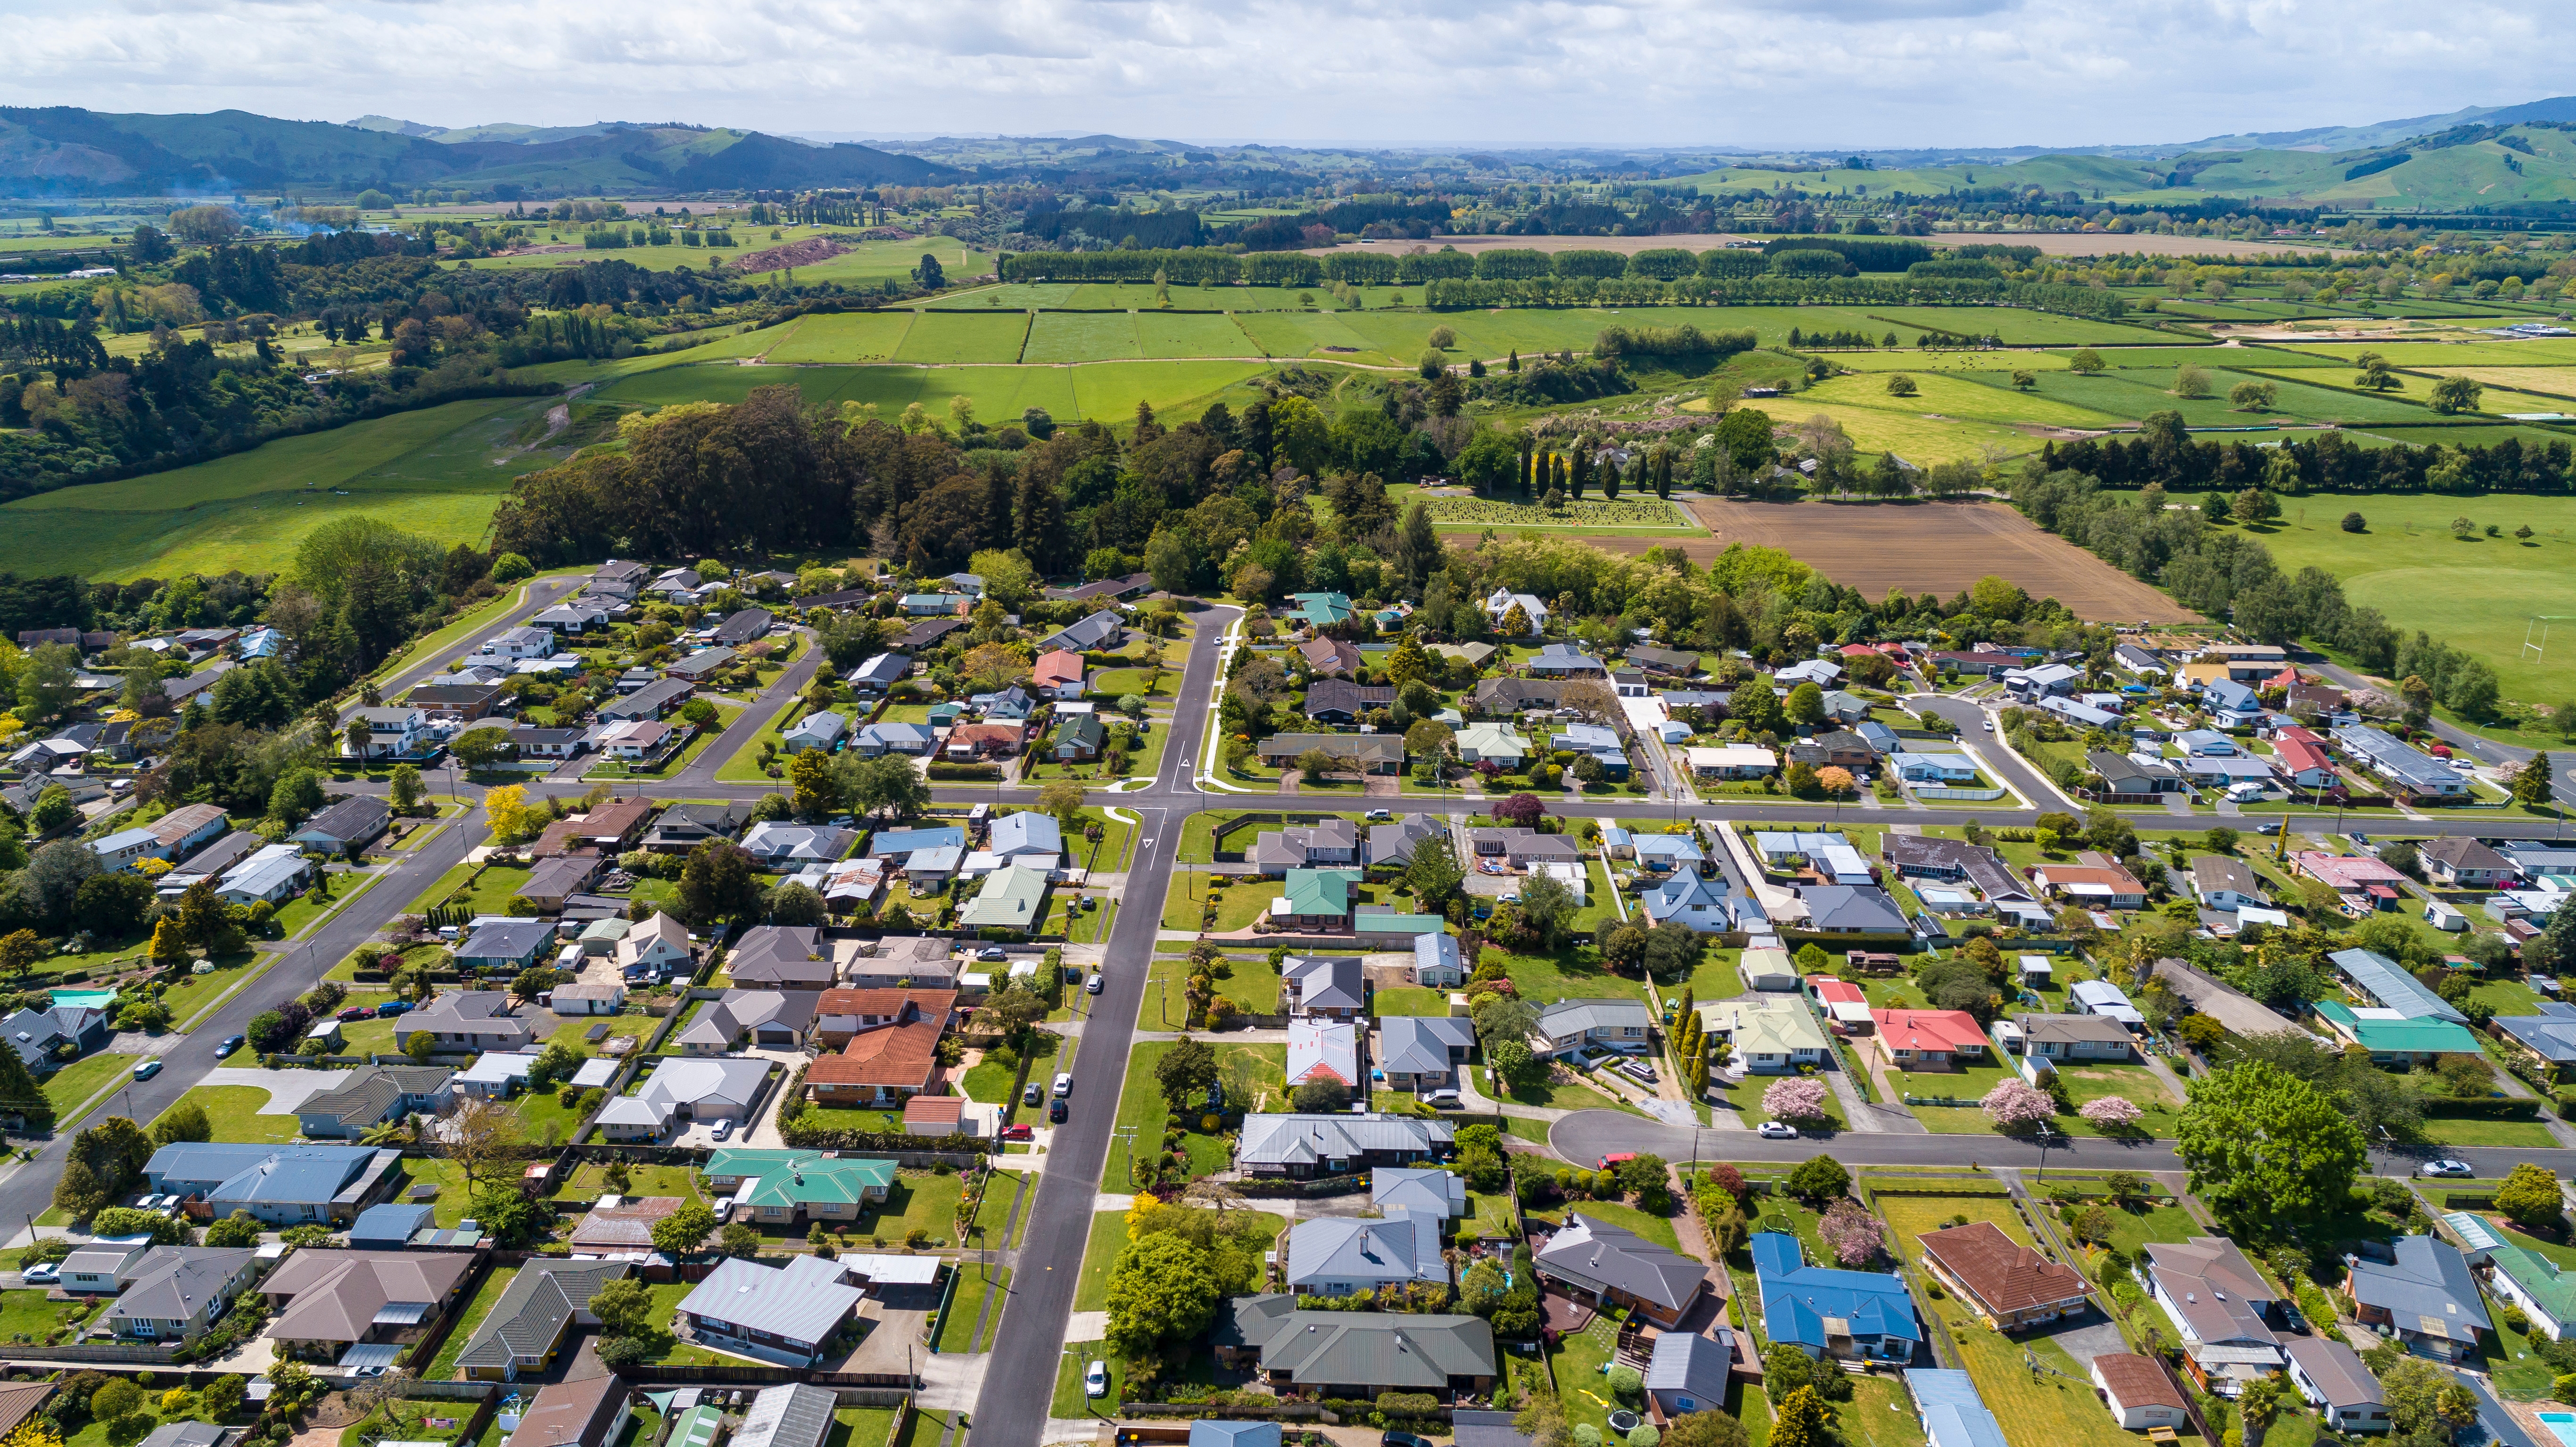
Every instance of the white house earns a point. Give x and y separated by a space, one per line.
1499 604
393 732
814 731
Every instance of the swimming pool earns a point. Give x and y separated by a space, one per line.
90 999
2561 1425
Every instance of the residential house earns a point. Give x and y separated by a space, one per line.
555 881
1508 696
1492 743
2093 886
2138 1392
177 1292
1767 1034
1522 848
653 701
1558 661
1077 739
2066 1039
1599 742
794 1414
327 1301
1327 843
1835 909
2529 1280
1391 845
1342 1255
1611 1266
2226 884
1340 701
1351 753
815 731
1437 1194
179 833
782 957
392 733
2361 883
2424 1295
274 873
977 741
528 1327
1330 658
2394 1038
459 1022
2101 997
1101 632
1436 963
1604 1024
681 1092
782 1187
1353 1354
588 1412
2459 862
1321 1050
1013 898
2133 775
2408 770
1730 761
1327 985
1929 1039
1028 838
1301 1146
1821 673
103 1265
495 1075
373 1094
284 1185
464 702
345 824
879 673
2304 761
2008 1285
2333 1379
778 844
760 1019
1423 1052
1474 655
657 946
48 1039
2207 744
1501 602
505 945
540 743
1315 899
892 737
787 1315
2216 1298
923 962
2547 1040
1956 860
1830 1313
1933 768
1317 610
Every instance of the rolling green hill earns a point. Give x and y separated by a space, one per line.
63 150
2468 166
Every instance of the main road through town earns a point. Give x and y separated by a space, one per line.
1014 1408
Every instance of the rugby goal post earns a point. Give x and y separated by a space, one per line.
2535 634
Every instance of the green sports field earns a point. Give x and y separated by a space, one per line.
437 472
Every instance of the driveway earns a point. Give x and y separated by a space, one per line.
2094 1336
287 1089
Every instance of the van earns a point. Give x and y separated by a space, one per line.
1063 1084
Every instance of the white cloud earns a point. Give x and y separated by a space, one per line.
1820 73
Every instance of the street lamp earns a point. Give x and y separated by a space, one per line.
2046 1136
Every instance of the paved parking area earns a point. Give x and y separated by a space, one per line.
286 1089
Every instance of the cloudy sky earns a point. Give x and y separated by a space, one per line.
1802 73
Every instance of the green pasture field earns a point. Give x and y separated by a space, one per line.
2136 392
1178 334
848 337
2018 326
1106 390
437 472
1980 397
949 337
1882 424
2121 358
2456 434
2416 387
1901 359
2557 383
2536 352
864 261
1057 337
2477 595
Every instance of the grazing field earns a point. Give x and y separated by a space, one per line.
2557 382
437 472
1980 397
1107 390
848 337
2477 594
952 337
864 261
1938 547
2137 391
1080 337
1469 514
1901 359
2119 358
2535 352
1886 424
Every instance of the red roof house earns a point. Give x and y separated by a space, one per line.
1929 1039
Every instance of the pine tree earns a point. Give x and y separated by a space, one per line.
2533 787
21 1095
1581 473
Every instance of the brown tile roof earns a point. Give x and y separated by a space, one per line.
2136 1382
574 1414
886 1000
934 1110
627 1226
904 1054
2004 1275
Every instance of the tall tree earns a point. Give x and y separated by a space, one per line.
2263 1145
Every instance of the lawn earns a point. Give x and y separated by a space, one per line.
82 1079
1658 1229
1255 1079
1563 1095
28 1313
744 766
1238 904
918 1199
957 1329
1108 1237
486 1296
431 473
234 1112
1573 973
995 1210
1409 1000
452 1204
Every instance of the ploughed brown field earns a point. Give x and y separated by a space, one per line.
1930 547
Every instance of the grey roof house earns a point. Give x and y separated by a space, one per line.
528 1325
1352 1354
1340 1255
373 1094
1301 1146
1614 1266
284 1185
2425 1295
1406 1188
179 1291
1423 1052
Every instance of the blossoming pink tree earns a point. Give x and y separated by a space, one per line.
1850 1232
2111 1112
2015 1105
1795 1098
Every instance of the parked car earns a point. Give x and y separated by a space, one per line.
1380 816
148 1069
1401 1439
1056 1112
234 1042
1443 1100
1019 1132
992 954
1989 724
1095 1379
391 1008
1063 1084
358 1012
1638 1071
1034 1094
2446 1167
1773 1130
2270 829
42 1274
723 1128
1092 985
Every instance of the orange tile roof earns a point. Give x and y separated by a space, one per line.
885 1000
905 1054
2005 1275
1062 666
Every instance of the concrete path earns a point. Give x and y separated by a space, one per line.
286 1089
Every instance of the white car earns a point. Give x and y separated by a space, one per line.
1772 1130
1989 723
1095 1379
2446 1167
42 1274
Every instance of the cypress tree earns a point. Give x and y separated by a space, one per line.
1581 473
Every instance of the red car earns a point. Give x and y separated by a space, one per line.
1018 1133
359 1012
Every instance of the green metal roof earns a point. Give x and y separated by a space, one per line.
1399 924
1012 898
1319 891
2417 1037
2539 1277
817 1181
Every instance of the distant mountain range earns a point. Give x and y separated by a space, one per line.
67 151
